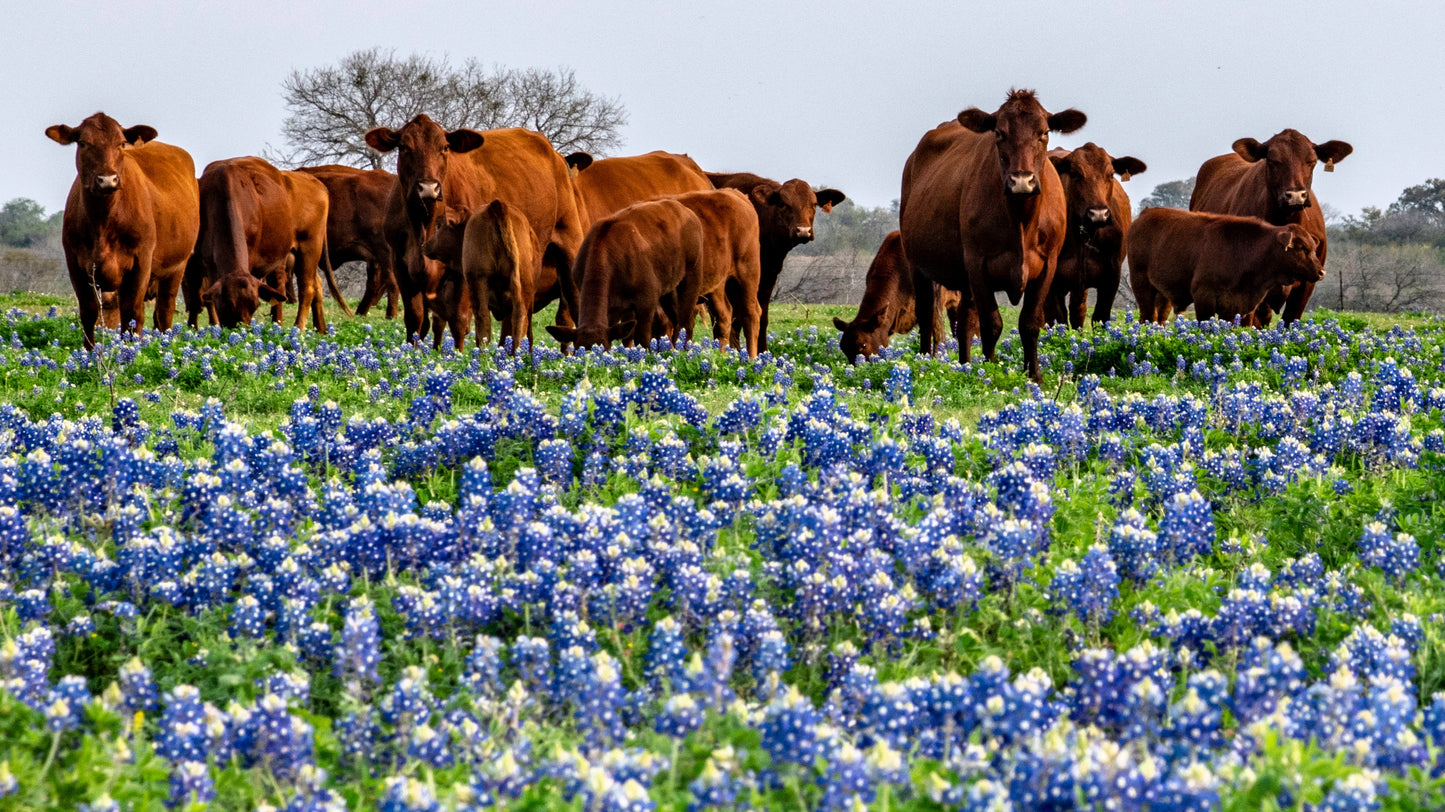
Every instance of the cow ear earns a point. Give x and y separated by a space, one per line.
211 292
840 324
382 139
618 332
1127 167
828 198
1250 149
978 121
1066 121
564 335
139 134
270 294
1332 152
1285 238
1060 159
464 140
459 215
763 194
579 161
61 134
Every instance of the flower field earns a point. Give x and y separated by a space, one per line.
271 569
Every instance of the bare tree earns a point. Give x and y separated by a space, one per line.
330 108
1385 278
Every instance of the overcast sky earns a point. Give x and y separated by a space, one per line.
835 92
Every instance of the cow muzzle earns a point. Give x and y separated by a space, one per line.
1021 183
1295 199
429 190
1097 216
107 184
804 233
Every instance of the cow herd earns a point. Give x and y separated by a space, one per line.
476 225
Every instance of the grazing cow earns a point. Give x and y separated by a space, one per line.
354 227
731 272
130 221
628 264
785 220
492 257
466 169
887 308
260 227
1274 181
1224 265
1094 243
612 184
983 210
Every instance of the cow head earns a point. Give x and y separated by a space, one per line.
786 210
862 336
1290 160
237 296
1087 174
593 335
445 244
1021 137
423 149
100 143
1297 255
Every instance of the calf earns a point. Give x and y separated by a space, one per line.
627 266
887 308
1224 265
730 276
491 258
1094 242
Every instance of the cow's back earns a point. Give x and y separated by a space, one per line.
730 236
612 184
358 199
520 168
245 205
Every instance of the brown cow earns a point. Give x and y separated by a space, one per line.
493 259
354 227
260 226
627 264
785 220
1094 244
466 169
1224 265
1273 181
983 210
130 221
887 308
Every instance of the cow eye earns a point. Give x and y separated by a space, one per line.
446 148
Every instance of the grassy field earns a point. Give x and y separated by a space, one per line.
1198 568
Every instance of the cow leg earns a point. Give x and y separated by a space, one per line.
1031 322
924 303
722 315
989 320
764 301
1108 289
85 299
132 295
461 318
168 285
754 324
523 292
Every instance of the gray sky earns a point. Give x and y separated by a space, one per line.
836 92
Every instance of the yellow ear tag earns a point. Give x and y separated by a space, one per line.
1124 177
1330 165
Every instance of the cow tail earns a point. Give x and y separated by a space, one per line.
331 278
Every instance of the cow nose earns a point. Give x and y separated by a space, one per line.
429 190
1098 215
1297 198
1022 183
803 232
107 183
